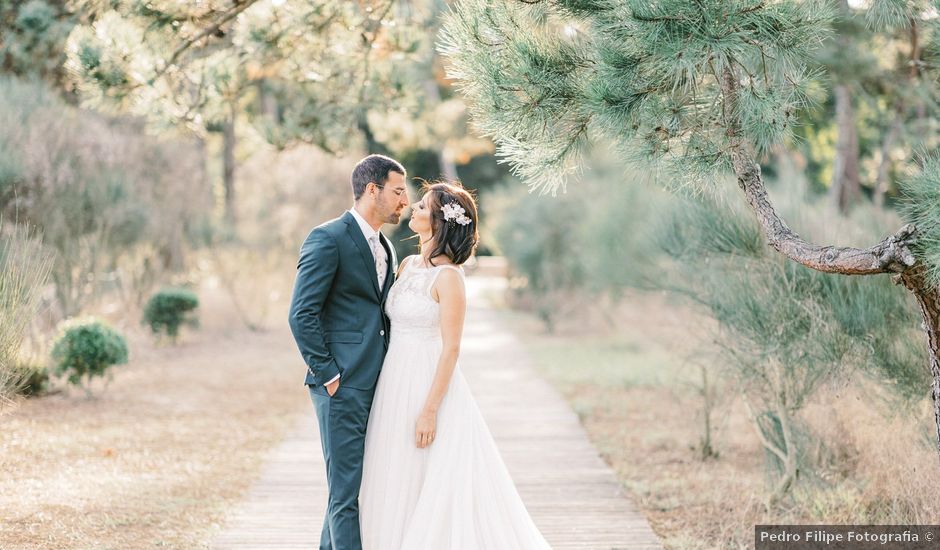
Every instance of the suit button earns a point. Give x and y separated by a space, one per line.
381 333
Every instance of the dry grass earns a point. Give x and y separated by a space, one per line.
157 458
637 389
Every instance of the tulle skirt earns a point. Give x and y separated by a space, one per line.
455 494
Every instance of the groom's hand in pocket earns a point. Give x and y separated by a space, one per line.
332 387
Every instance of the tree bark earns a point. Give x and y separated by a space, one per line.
928 299
228 168
845 188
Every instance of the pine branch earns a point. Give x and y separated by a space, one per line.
891 255
239 7
368 43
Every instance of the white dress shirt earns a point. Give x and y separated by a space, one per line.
369 233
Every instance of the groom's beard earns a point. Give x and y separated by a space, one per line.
394 216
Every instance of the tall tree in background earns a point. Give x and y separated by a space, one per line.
845 187
910 101
697 88
880 108
201 65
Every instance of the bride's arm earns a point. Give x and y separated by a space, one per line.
450 293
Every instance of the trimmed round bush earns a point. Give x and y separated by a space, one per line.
169 309
87 348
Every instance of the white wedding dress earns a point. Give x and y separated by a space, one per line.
455 494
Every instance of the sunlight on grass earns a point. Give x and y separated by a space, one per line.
613 361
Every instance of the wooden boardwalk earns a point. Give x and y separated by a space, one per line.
570 492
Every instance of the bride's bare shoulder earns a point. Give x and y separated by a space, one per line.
449 283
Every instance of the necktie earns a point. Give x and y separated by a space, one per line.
378 252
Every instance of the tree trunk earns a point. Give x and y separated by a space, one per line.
790 462
784 450
893 254
884 166
914 74
448 168
708 449
228 168
846 188
268 103
928 298
372 145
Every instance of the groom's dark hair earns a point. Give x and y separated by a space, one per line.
373 169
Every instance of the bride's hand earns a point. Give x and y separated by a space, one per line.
426 429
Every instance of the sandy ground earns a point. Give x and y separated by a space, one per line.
157 458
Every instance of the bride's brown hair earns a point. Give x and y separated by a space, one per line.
451 239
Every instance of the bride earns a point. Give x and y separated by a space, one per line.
433 478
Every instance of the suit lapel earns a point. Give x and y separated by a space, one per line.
356 234
392 265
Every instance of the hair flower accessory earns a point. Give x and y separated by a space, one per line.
453 212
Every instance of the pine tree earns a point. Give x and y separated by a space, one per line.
32 38
300 71
695 88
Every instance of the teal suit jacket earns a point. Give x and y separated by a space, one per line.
337 312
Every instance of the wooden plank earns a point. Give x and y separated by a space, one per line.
570 492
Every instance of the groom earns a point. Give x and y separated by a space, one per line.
337 317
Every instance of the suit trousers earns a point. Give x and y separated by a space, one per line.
342 419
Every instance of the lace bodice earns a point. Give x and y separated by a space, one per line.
410 306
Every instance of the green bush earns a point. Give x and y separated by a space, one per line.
782 330
573 247
87 348
169 309
32 378
536 236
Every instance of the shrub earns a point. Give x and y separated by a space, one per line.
87 348
536 236
102 193
33 378
578 245
24 269
168 309
784 330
